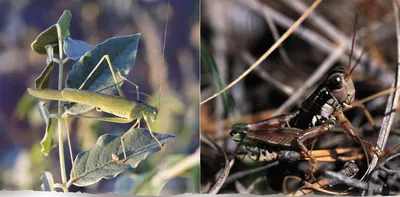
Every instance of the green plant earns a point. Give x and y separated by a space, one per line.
90 75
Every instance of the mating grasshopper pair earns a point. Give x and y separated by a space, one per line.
316 116
125 110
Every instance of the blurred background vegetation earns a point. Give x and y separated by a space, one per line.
21 127
237 32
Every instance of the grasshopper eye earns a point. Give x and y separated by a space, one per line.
335 82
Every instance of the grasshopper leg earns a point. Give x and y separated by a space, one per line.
122 142
130 82
309 134
70 146
351 132
107 58
313 161
152 135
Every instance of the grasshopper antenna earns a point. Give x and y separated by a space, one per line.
352 45
163 55
350 70
357 62
144 94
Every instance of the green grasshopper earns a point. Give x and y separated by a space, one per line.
125 110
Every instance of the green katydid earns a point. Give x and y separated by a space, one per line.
125 110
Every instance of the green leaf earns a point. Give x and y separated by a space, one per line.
146 188
75 49
98 162
208 63
47 141
47 181
43 80
24 105
122 52
141 184
131 184
50 36
195 176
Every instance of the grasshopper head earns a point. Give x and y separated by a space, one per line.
240 126
145 110
341 86
238 132
155 114
152 112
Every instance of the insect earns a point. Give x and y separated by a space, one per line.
256 152
125 110
316 116
276 140
252 149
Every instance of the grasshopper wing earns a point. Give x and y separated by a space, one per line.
274 137
109 103
47 94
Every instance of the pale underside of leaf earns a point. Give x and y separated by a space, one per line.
98 162
75 49
47 181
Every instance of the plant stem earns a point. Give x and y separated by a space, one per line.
60 112
177 169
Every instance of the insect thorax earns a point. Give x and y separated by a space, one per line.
142 110
315 110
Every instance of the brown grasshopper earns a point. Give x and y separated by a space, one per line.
316 116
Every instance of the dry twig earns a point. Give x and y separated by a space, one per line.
391 106
270 50
221 179
322 69
266 76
